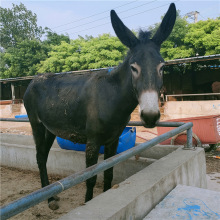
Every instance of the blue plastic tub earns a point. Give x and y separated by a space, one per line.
21 116
126 141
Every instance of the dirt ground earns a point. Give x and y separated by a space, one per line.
212 164
16 183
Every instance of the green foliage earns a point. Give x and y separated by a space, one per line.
18 24
21 48
89 53
188 40
191 39
22 60
54 38
203 37
174 47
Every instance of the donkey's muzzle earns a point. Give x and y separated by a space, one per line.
150 119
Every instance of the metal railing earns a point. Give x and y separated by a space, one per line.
40 195
185 95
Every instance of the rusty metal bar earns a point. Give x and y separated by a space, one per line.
38 196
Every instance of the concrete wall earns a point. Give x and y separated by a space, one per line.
5 111
186 109
19 151
11 110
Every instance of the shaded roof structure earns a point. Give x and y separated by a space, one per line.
169 62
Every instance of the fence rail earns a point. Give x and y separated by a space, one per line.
40 195
130 123
185 95
15 119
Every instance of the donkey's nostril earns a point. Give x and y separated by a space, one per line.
150 118
142 114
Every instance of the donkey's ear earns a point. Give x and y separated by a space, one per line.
123 33
166 26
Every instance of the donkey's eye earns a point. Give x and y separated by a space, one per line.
134 69
161 71
160 68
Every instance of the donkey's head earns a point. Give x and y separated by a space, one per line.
146 63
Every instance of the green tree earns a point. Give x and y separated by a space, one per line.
191 39
84 53
18 24
56 62
23 60
55 39
174 47
203 37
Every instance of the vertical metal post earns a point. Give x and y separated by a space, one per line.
13 93
189 139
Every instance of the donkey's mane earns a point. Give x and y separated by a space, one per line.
144 36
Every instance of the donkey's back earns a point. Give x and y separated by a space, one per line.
71 105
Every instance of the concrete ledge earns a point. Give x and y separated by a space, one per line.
186 109
19 151
140 193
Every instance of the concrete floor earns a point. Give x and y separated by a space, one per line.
187 202
213 181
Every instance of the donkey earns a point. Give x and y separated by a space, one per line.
95 108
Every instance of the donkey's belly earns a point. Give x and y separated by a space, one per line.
73 135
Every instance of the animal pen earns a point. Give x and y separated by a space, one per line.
36 197
88 110
55 188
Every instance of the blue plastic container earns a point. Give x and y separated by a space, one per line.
126 141
21 116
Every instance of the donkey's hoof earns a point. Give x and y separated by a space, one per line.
53 205
56 198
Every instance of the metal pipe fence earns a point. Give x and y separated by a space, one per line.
130 123
15 119
184 95
40 195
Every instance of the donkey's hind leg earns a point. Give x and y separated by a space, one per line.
44 140
92 152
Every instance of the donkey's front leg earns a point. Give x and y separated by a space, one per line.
110 150
92 152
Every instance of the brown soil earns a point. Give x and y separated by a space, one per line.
213 164
23 128
16 183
